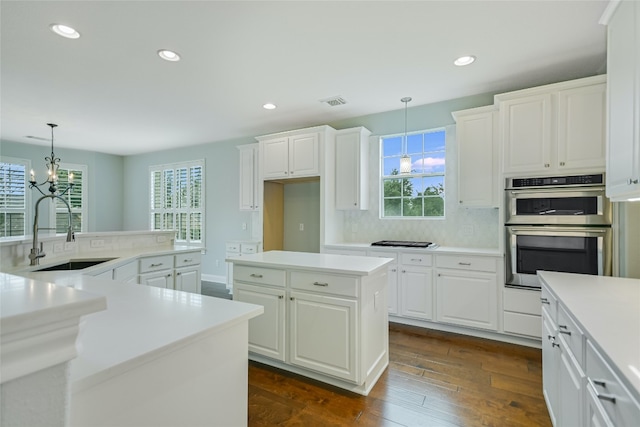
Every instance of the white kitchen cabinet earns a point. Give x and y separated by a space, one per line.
466 291
266 332
352 169
316 321
158 279
248 177
521 312
551 362
416 286
291 156
476 134
127 273
238 248
623 91
392 278
180 272
557 128
329 325
187 279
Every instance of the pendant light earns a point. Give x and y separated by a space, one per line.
405 160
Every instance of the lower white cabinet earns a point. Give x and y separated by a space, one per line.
416 292
238 248
521 312
158 279
332 325
180 272
467 291
127 273
316 321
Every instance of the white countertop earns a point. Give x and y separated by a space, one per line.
434 250
358 265
608 311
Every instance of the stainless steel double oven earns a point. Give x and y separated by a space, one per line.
556 224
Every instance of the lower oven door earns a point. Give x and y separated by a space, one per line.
585 250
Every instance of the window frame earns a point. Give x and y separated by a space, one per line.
26 210
411 175
59 207
174 211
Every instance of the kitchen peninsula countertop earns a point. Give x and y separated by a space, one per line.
358 265
608 311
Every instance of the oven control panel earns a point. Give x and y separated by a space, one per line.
597 179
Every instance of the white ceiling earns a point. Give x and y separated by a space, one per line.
110 92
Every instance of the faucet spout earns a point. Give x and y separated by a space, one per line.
38 252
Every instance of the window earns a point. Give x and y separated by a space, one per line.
419 193
13 196
177 200
76 198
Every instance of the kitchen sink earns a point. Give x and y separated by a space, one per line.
75 264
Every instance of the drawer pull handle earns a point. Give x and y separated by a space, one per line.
545 301
601 383
320 284
416 259
188 260
464 263
258 276
554 344
565 332
156 265
280 297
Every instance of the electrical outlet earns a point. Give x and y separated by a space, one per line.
301 227
217 263
244 225
97 243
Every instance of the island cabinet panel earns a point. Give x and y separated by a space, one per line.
323 334
266 332
324 319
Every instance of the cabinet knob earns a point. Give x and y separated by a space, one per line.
561 163
291 298
632 181
280 297
546 165
355 204
555 344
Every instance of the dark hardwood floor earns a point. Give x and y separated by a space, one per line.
434 379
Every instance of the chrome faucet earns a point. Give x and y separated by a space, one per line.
37 252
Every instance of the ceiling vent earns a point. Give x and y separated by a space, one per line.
334 101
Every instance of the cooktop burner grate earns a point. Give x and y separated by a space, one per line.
402 243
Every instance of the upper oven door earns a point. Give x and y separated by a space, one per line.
558 206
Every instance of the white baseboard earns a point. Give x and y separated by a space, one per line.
214 278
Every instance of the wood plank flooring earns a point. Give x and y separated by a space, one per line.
434 379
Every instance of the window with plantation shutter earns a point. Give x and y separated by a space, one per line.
75 197
177 200
13 196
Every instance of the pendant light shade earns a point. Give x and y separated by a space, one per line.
405 160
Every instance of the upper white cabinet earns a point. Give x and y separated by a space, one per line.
477 156
293 154
556 128
623 88
352 169
248 177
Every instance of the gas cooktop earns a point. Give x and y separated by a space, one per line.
403 244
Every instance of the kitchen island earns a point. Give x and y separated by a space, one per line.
325 316
156 357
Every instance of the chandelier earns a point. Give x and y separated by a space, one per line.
53 163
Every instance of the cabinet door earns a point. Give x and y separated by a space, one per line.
526 133
351 162
595 413
467 299
266 332
581 128
392 289
477 168
324 334
570 379
248 177
416 292
160 279
188 279
623 86
275 158
550 368
304 155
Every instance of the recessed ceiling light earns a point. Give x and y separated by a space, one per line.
269 106
64 31
464 60
168 55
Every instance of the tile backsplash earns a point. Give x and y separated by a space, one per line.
461 227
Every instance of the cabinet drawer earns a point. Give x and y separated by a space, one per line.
522 301
325 283
616 400
190 258
248 248
571 334
462 262
523 324
232 247
417 259
126 271
259 275
549 304
156 263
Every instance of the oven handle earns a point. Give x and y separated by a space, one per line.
581 230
